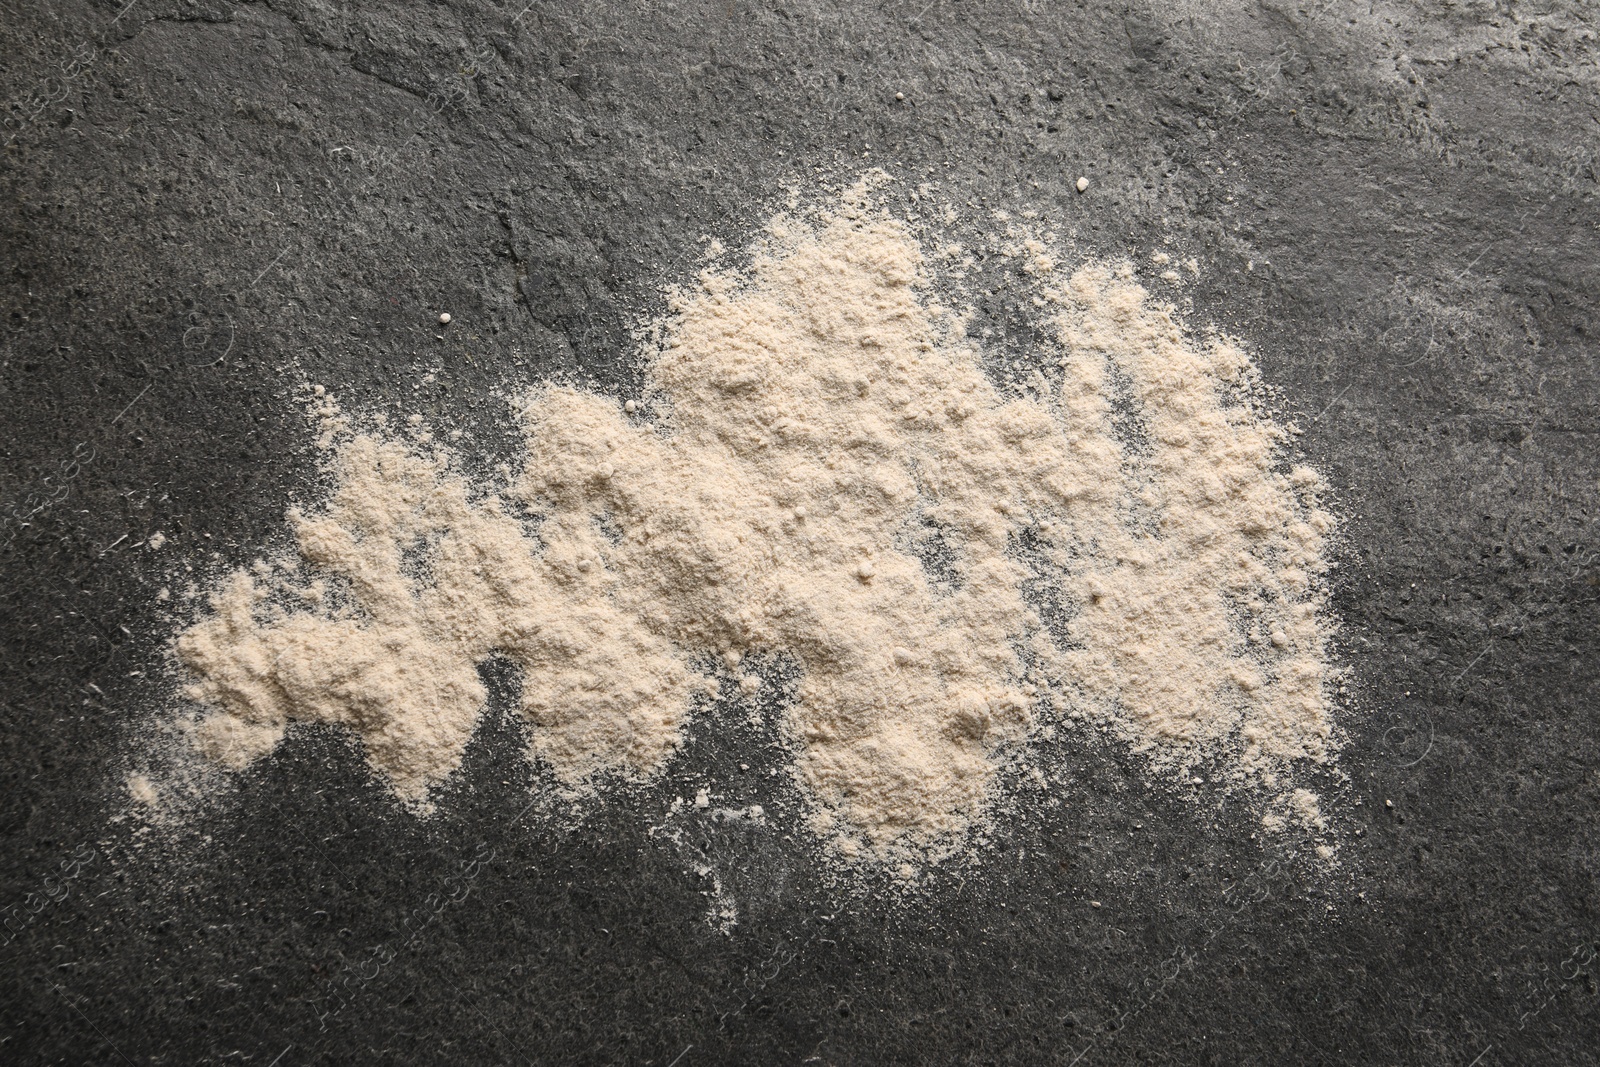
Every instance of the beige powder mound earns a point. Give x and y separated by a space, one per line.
821 425
396 659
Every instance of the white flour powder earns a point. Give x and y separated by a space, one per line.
822 432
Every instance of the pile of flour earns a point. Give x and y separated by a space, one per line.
819 471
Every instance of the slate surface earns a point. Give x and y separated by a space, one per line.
1395 205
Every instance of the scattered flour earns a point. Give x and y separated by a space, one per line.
143 791
1306 809
826 475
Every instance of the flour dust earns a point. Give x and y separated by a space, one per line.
819 470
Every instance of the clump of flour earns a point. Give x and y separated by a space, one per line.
818 421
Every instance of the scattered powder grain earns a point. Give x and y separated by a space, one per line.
1303 804
143 791
831 479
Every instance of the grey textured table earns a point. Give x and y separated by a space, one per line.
1395 206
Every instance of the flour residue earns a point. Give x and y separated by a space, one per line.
819 471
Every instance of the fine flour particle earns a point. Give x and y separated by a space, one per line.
832 479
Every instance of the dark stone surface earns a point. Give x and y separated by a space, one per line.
1395 206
